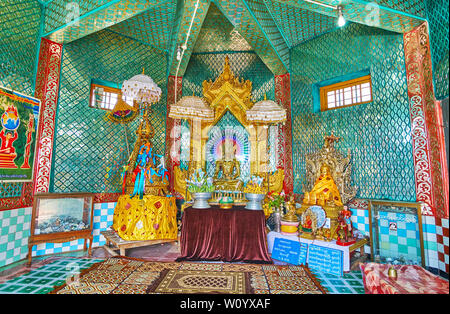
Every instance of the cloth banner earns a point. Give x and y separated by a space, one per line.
150 218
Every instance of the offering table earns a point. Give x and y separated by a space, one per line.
228 235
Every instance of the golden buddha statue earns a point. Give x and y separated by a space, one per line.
325 191
230 168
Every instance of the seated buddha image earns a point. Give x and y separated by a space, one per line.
325 191
228 171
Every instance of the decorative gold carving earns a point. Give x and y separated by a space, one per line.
275 181
228 92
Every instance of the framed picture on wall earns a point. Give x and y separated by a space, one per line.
396 232
19 118
60 218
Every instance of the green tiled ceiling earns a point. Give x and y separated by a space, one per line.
58 11
152 27
218 34
299 25
414 7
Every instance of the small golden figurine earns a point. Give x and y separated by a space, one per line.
291 209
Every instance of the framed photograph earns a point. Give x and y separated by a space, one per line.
60 218
396 233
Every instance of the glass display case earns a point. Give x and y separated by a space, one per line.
60 218
396 232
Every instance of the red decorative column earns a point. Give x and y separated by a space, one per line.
173 127
47 87
431 182
284 149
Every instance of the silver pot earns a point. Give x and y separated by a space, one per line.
255 200
201 200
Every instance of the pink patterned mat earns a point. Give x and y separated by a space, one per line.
411 279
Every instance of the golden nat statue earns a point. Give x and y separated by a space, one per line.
328 175
325 191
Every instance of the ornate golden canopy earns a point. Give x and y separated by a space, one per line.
229 92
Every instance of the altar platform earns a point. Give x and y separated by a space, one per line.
229 235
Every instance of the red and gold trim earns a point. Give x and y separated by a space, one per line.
426 134
284 148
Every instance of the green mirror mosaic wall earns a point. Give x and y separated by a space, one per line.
438 20
19 29
88 149
377 133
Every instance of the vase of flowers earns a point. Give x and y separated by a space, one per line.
254 193
273 208
201 187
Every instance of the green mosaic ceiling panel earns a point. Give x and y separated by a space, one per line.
218 34
297 24
245 65
100 18
88 150
414 7
185 25
438 21
152 27
378 133
19 30
58 12
367 13
264 18
245 23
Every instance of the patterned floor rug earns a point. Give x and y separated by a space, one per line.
124 275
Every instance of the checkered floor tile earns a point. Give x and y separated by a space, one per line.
350 283
44 279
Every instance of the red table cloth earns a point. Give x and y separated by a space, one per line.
228 235
411 279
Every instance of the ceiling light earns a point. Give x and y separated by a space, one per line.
341 19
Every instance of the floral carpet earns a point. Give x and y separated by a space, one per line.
122 275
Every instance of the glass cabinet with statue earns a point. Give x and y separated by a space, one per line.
61 218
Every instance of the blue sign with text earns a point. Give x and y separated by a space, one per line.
292 252
327 260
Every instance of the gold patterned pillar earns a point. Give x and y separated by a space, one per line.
431 182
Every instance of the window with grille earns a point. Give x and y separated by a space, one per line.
343 94
105 97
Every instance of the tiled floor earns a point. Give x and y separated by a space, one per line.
350 283
45 278
48 272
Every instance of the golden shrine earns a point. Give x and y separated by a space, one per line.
145 211
328 175
228 93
